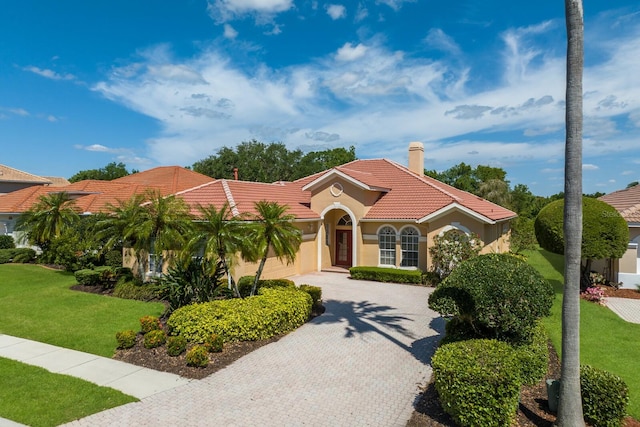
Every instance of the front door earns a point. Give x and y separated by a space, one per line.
343 248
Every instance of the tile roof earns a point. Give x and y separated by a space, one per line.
8 174
626 201
169 179
57 181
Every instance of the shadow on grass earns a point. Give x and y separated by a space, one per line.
366 317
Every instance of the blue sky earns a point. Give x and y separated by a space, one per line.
85 83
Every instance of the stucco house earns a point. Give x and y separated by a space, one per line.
363 213
627 203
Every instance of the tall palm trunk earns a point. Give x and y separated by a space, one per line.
570 404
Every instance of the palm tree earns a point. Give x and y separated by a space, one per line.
570 404
48 219
150 224
223 236
274 231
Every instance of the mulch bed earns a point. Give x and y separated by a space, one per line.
610 291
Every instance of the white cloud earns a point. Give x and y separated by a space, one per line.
263 10
395 4
19 111
349 52
49 74
336 11
589 167
437 39
361 13
230 32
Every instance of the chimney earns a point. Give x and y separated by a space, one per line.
416 158
235 174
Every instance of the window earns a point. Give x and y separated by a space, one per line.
387 246
409 245
345 220
155 261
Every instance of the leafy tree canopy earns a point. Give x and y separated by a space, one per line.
260 162
110 172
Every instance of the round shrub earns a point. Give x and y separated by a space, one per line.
272 312
533 356
214 343
605 234
88 277
498 295
6 242
315 292
149 323
478 382
126 339
198 356
604 397
176 345
155 338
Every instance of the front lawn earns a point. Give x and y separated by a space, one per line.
33 396
36 303
606 341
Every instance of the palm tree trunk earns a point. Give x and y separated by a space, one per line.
570 404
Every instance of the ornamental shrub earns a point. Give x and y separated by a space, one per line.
315 292
478 382
498 295
176 345
533 356
88 277
451 248
198 356
6 242
126 339
136 290
6 255
386 274
272 312
24 255
214 343
246 283
154 338
149 323
604 397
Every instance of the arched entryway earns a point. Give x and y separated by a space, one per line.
338 248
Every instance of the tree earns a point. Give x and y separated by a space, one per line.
496 191
150 224
467 178
48 219
452 248
632 184
318 161
570 404
275 232
110 172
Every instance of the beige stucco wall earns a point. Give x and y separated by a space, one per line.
369 255
629 261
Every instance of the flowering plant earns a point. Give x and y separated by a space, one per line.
594 294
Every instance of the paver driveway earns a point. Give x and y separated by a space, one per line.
359 364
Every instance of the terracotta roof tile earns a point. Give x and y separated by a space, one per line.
169 179
626 201
8 174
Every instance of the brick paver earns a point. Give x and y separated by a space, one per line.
628 309
359 364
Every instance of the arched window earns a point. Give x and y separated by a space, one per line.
409 246
345 220
387 245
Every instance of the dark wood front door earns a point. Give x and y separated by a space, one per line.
343 248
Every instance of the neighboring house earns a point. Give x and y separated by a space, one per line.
627 203
363 213
13 180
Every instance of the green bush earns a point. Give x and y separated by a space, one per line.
24 255
478 382
214 343
136 290
315 292
126 339
6 242
604 397
499 295
198 356
176 345
272 312
149 323
6 255
246 283
534 356
384 274
88 277
113 258
155 338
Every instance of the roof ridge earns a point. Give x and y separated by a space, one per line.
197 187
25 173
229 196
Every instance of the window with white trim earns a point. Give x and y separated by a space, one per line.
387 245
345 220
409 245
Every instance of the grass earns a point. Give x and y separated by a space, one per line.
36 397
606 341
37 304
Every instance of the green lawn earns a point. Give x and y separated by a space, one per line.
606 341
36 397
37 304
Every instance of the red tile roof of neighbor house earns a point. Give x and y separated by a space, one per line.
626 201
8 174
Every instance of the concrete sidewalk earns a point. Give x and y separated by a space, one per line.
130 379
359 364
628 309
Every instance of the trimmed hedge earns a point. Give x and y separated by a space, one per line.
246 283
499 295
272 312
604 397
88 277
534 356
155 338
136 290
126 339
478 382
17 255
384 274
315 292
176 345
6 242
